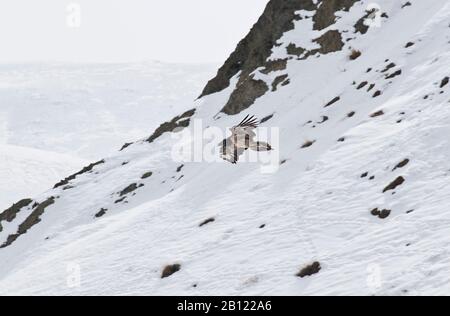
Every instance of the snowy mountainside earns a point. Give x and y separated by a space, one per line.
357 206
26 171
90 110
54 117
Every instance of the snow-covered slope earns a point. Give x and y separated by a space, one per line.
360 199
91 110
25 172
56 117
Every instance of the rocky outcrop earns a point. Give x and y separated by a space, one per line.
310 270
180 121
130 188
245 94
169 270
33 219
325 15
283 79
274 65
10 214
82 171
254 50
329 42
394 184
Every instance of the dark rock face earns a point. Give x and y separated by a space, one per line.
131 188
360 27
401 164
330 42
355 54
336 99
381 214
265 119
10 214
180 121
147 175
308 143
170 269
101 212
325 15
247 91
293 49
377 94
389 67
377 113
180 167
126 145
254 50
278 80
395 74
384 214
120 200
33 219
275 65
84 170
207 221
394 184
362 85
310 270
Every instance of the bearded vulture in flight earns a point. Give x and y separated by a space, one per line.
242 138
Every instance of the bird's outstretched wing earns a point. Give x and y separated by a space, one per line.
251 122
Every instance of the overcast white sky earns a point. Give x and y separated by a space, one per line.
124 30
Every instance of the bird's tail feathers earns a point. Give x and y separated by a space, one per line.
261 146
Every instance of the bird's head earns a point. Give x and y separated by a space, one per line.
245 126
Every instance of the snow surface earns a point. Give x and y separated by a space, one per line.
90 110
317 207
54 118
25 172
